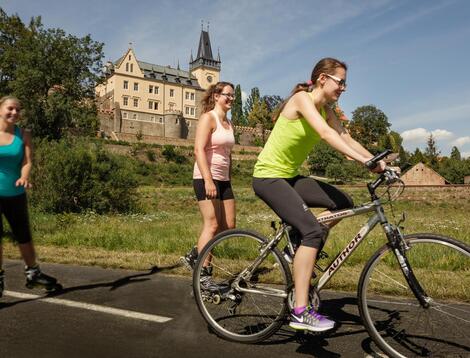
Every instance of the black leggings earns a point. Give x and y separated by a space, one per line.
291 199
15 210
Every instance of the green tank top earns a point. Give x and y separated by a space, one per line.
287 147
11 159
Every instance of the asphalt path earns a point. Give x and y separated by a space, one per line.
121 313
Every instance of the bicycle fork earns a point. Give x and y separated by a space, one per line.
400 247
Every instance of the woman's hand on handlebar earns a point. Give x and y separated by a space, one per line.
380 167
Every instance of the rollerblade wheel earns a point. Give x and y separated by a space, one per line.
54 288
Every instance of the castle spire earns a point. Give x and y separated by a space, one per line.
204 55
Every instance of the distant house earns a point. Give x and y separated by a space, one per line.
466 179
421 174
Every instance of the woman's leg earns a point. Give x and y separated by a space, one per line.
228 215
289 206
15 210
211 216
28 253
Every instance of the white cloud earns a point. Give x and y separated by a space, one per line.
420 136
465 154
415 135
442 134
459 142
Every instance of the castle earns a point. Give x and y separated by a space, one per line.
140 98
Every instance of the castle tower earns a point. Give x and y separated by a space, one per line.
205 68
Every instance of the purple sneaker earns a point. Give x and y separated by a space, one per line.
311 321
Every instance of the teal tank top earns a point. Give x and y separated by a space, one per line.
11 160
288 145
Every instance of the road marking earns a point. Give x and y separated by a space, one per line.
90 307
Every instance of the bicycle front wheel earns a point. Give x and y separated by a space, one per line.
242 301
392 315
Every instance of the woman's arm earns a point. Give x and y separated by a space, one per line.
27 161
205 127
304 105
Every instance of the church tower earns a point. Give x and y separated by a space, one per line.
205 68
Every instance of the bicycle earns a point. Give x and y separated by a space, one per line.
399 305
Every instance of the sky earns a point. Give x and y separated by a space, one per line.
409 58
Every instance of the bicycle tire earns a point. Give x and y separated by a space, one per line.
395 320
240 316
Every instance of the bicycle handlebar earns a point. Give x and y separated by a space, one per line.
372 163
388 175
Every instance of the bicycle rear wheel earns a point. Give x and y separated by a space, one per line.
233 313
392 315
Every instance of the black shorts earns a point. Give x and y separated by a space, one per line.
224 189
15 210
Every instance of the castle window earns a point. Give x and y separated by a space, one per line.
150 105
124 115
187 95
192 111
155 105
192 96
156 89
172 92
132 67
186 109
177 121
129 57
127 67
126 85
125 101
150 89
134 115
136 102
136 86
160 120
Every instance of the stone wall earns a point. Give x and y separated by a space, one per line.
170 125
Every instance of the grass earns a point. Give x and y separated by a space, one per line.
170 223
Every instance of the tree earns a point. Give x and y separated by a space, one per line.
431 153
455 154
453 170
403 157
417 157
250 101
237 108
53 74
368 125
259 116
321 156
338 173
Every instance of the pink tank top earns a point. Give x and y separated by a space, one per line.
218 151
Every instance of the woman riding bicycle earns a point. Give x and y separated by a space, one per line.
303 119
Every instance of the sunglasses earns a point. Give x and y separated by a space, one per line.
228 95
339 81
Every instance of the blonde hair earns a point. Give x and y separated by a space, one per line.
208 101
12 98
326 65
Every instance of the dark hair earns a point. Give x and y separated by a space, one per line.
208 102
326 65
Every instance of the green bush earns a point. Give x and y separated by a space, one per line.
74 175
173 155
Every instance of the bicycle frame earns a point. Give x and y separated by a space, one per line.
343 255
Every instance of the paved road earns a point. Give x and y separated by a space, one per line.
33 327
